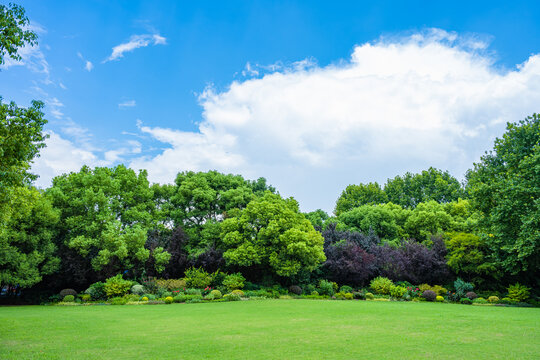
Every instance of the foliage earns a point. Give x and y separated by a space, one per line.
468 255
144 298
197 278
271 233
216 294
238 292
369 296
138 289
346 289
385 221
171 284
505 187
326 288
493 299
359 295
357 195
397 292
86 297
116 286
465 301
318 218
69 298
346 261
234 281
97 291
118 301
429 295
381 285
15 32
462 287
480 300
471 295
65 292
231 297
168 300
439 298
518 292
295 289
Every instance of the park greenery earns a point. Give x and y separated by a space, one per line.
107 235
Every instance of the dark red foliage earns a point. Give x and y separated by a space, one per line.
348 263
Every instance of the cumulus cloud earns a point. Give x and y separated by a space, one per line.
398 104
135 42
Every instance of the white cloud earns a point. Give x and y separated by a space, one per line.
32 57
87 64
401 104
135 42
128 103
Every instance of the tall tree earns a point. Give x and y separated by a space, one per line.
358 195
505 187
14 32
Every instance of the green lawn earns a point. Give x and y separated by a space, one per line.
271 329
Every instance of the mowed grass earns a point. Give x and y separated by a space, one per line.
271 329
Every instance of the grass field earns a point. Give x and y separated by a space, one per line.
271 329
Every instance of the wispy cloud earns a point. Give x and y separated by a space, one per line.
135 42
126 104
87 64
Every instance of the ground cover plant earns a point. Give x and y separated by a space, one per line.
292 329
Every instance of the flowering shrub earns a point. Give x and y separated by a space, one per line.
413 292
381 285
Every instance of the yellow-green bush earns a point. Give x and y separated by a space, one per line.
171 284
144 298
116 286
381 285
169 300
493 299
439 299
397 292
238 292
369 296
349 296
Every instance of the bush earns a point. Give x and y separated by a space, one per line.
369 296
439 299
180 298
116 286
439 290
234 282
168 300
138 289
238 292
493 299
97 291
462 287
346 289
315 293
118 301
69 298
150 296
397 292
465 301
65 292
429 295
480 300
144 298
358 295
231 297
471 295
295 289
340 296
197 278
216 294
518 292
381 285
309 288
424 287
349 296
326 288
171 284
193 292
86 297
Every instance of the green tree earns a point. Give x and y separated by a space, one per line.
411 189
105 217
27 252
358 195
271 234
318 218
14 32
505 187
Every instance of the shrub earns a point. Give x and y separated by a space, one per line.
234 282
465 301
197 278
65 292
518 292
309 288
462 287
315 293
118 301
180 298
231 297
493 299
340 296
349 296
326 288
359 295
171 284
69 298
193 292
429 295
238 292
86 297
138 289
216 294
150 296
471 295
144 298
295 289
381 285
97 291
194 300
168 300
480 300
369 296
424 287
397 292
116 286
439 299
346 289
439 290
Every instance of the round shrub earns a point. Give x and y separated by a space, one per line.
326 288
369 296
97 291
118 301
86 297
315 293
116 286
231 297
144 298
69 298
238 292
429 295
295 289
518 292
480 300
493 299
138 289
65 292
465 301
471 295
216 294
439 299
234 281
397 292
381 285
346 289
168 300
349 296
359 295
150 296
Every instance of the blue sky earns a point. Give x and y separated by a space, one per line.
311 95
